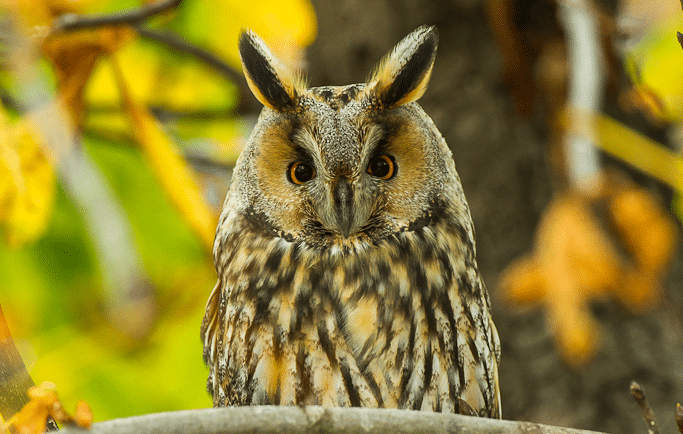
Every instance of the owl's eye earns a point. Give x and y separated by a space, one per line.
383 167
300 172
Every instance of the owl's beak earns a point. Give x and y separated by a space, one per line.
343 204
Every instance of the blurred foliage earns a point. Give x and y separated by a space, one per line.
575 263
111 81
612 238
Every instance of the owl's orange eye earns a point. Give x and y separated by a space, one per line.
300 172
383 167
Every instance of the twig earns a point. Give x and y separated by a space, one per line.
679 418
69 22
638 394
182 45
314 419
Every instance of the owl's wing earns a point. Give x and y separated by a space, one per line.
210 323
479 356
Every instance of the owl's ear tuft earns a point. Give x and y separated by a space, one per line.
271 82
403 74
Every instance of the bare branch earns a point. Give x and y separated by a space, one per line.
314 419
68 22
638 394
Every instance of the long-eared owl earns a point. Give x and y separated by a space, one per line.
345 251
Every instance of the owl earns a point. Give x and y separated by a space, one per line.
345 251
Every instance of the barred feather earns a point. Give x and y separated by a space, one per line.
401 325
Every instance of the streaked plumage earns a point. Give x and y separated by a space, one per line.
358 286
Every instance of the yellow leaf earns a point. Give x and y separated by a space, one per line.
656 67
178 84
573 263
523 282
33 13
27 184
139 61
577 333
191 86
170 168
83 416
644 226
33 417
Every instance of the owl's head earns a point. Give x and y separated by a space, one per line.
346 166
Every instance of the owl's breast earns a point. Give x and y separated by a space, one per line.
403 324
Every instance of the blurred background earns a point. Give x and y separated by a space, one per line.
121 121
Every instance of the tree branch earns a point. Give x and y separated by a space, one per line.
68 22
638 394
314 419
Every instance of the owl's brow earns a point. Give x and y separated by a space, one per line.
372 140
305 144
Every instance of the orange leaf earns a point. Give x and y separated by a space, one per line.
523 282
646 229
74 55
575 263
45 403
83 416
576 332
